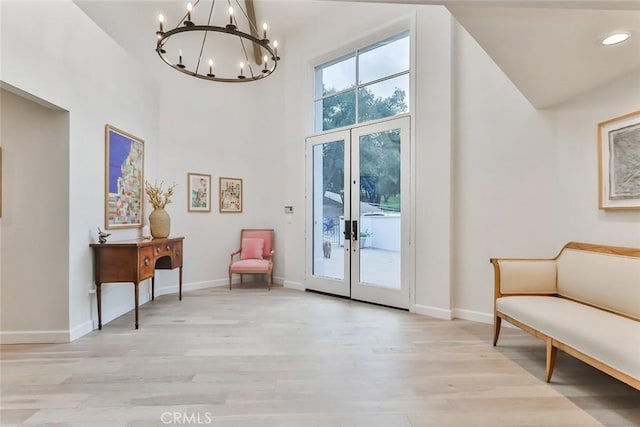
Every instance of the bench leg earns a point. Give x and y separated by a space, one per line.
497 322
551 360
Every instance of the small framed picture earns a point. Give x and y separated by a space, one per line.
199 192
124 179
619 152
230 195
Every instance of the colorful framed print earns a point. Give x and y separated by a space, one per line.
230 195
199 192
619 154
124 179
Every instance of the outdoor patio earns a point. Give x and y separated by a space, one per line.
377 266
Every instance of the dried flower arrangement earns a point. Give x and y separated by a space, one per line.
158 198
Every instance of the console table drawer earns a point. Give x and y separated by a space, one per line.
163 249
177 254
146 263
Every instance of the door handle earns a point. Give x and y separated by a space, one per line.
354 230
347 230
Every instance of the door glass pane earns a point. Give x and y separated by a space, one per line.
328 210
383 99
383 59
379 224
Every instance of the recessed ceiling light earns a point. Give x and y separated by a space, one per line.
615 38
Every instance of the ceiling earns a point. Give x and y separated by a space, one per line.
549 48
553 54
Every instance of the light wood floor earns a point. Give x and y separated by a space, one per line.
249 357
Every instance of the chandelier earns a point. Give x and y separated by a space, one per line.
218 53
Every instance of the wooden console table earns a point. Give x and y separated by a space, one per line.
133 261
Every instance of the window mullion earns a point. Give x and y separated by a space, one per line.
381 79
329 95
357 113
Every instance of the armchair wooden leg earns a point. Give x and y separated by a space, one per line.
230 280
241 278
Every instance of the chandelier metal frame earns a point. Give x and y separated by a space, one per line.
185 25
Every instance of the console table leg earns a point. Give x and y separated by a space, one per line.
99 300
135 286
180 292
153 287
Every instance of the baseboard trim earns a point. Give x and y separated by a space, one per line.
437 312
34 337
294 285
475 316
82 329
193 286
217 283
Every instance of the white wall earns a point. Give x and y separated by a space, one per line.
577 193
433 140
224 130
526 181
34 291
504 177
59 55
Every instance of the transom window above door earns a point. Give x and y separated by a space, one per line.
368 84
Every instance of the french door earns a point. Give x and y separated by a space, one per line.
358 205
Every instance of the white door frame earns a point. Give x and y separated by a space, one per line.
312 241
349 286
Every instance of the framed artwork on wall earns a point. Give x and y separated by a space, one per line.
619 162
230 195
199 192
124 179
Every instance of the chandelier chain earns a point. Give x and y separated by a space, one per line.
204 38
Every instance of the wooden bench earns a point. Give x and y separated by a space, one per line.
585 302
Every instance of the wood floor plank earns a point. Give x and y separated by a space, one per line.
251 357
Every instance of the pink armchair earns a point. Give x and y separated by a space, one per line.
256 254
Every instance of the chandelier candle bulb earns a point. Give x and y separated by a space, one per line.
161 19
264 30
180 58
188 22
230 15
241 76
210 67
